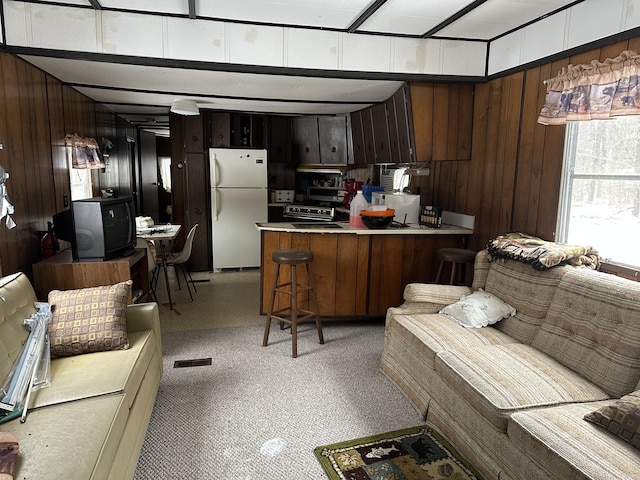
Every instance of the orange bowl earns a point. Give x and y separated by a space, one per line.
389 212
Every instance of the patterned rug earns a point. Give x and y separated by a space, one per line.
412 454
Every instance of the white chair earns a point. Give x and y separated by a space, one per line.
179 259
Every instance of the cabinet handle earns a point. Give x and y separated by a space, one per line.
220 136
194 138
306 149
333 149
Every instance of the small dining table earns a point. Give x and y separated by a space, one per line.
161 234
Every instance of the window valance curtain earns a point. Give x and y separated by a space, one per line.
597 90
84 152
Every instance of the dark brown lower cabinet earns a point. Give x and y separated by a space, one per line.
355 275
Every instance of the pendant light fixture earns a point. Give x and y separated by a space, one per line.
185 107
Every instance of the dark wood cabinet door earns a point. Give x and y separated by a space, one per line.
332 134
193 134
357 133
306 144
404 125
380 133
279 139
258 131
197 210
394 140
367 135
220 130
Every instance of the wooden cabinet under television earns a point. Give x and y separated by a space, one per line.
60 272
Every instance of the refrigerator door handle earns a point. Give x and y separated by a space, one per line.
216 194
214 171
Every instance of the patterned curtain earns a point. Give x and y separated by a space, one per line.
84 152
598 90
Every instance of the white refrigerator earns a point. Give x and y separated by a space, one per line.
238 201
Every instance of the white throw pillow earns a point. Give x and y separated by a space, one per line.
478 309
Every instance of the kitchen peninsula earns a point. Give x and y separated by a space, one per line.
358 272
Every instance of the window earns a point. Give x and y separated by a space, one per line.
600 193
80 180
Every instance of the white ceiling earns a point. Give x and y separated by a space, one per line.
323 56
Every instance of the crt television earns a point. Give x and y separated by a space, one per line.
98 228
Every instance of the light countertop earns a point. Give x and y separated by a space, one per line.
344 227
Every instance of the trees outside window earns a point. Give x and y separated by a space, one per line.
600 195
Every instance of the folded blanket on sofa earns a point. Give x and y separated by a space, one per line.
542 254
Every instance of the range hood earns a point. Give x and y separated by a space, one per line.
328 169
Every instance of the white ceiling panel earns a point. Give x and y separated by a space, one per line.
82 3
411 17
132 34
203 82
122 101
196 40
302 45
318 13
496 17
177 7
608 14
61 28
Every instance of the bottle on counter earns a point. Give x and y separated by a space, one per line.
357 203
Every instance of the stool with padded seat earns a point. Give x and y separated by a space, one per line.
292 314
455 256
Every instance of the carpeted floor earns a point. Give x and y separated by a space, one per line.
256 413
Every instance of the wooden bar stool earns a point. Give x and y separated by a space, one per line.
292 314
455 256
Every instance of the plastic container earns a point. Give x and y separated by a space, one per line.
358 203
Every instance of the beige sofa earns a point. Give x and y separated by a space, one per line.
91 422
512 396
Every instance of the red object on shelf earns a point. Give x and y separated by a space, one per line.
50 244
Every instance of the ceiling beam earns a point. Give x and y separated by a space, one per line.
95 4
364 16
453 18
192 9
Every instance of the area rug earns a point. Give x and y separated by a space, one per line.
411 454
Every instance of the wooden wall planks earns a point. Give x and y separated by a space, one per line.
512 181
36 112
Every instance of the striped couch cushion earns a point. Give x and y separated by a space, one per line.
527 290
570 447
430 334
499 380
593 327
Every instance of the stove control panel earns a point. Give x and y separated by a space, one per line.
309 212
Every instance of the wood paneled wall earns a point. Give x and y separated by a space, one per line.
36 111
512 181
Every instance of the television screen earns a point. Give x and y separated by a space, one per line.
104 228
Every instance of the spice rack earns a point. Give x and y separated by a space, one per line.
431 216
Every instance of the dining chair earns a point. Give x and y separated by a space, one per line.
179 260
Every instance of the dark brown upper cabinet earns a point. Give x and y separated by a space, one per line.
357 133
380 121
368 135
332 133
306 140
400 126
279 144
321 140
219 129
247 131
193 134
